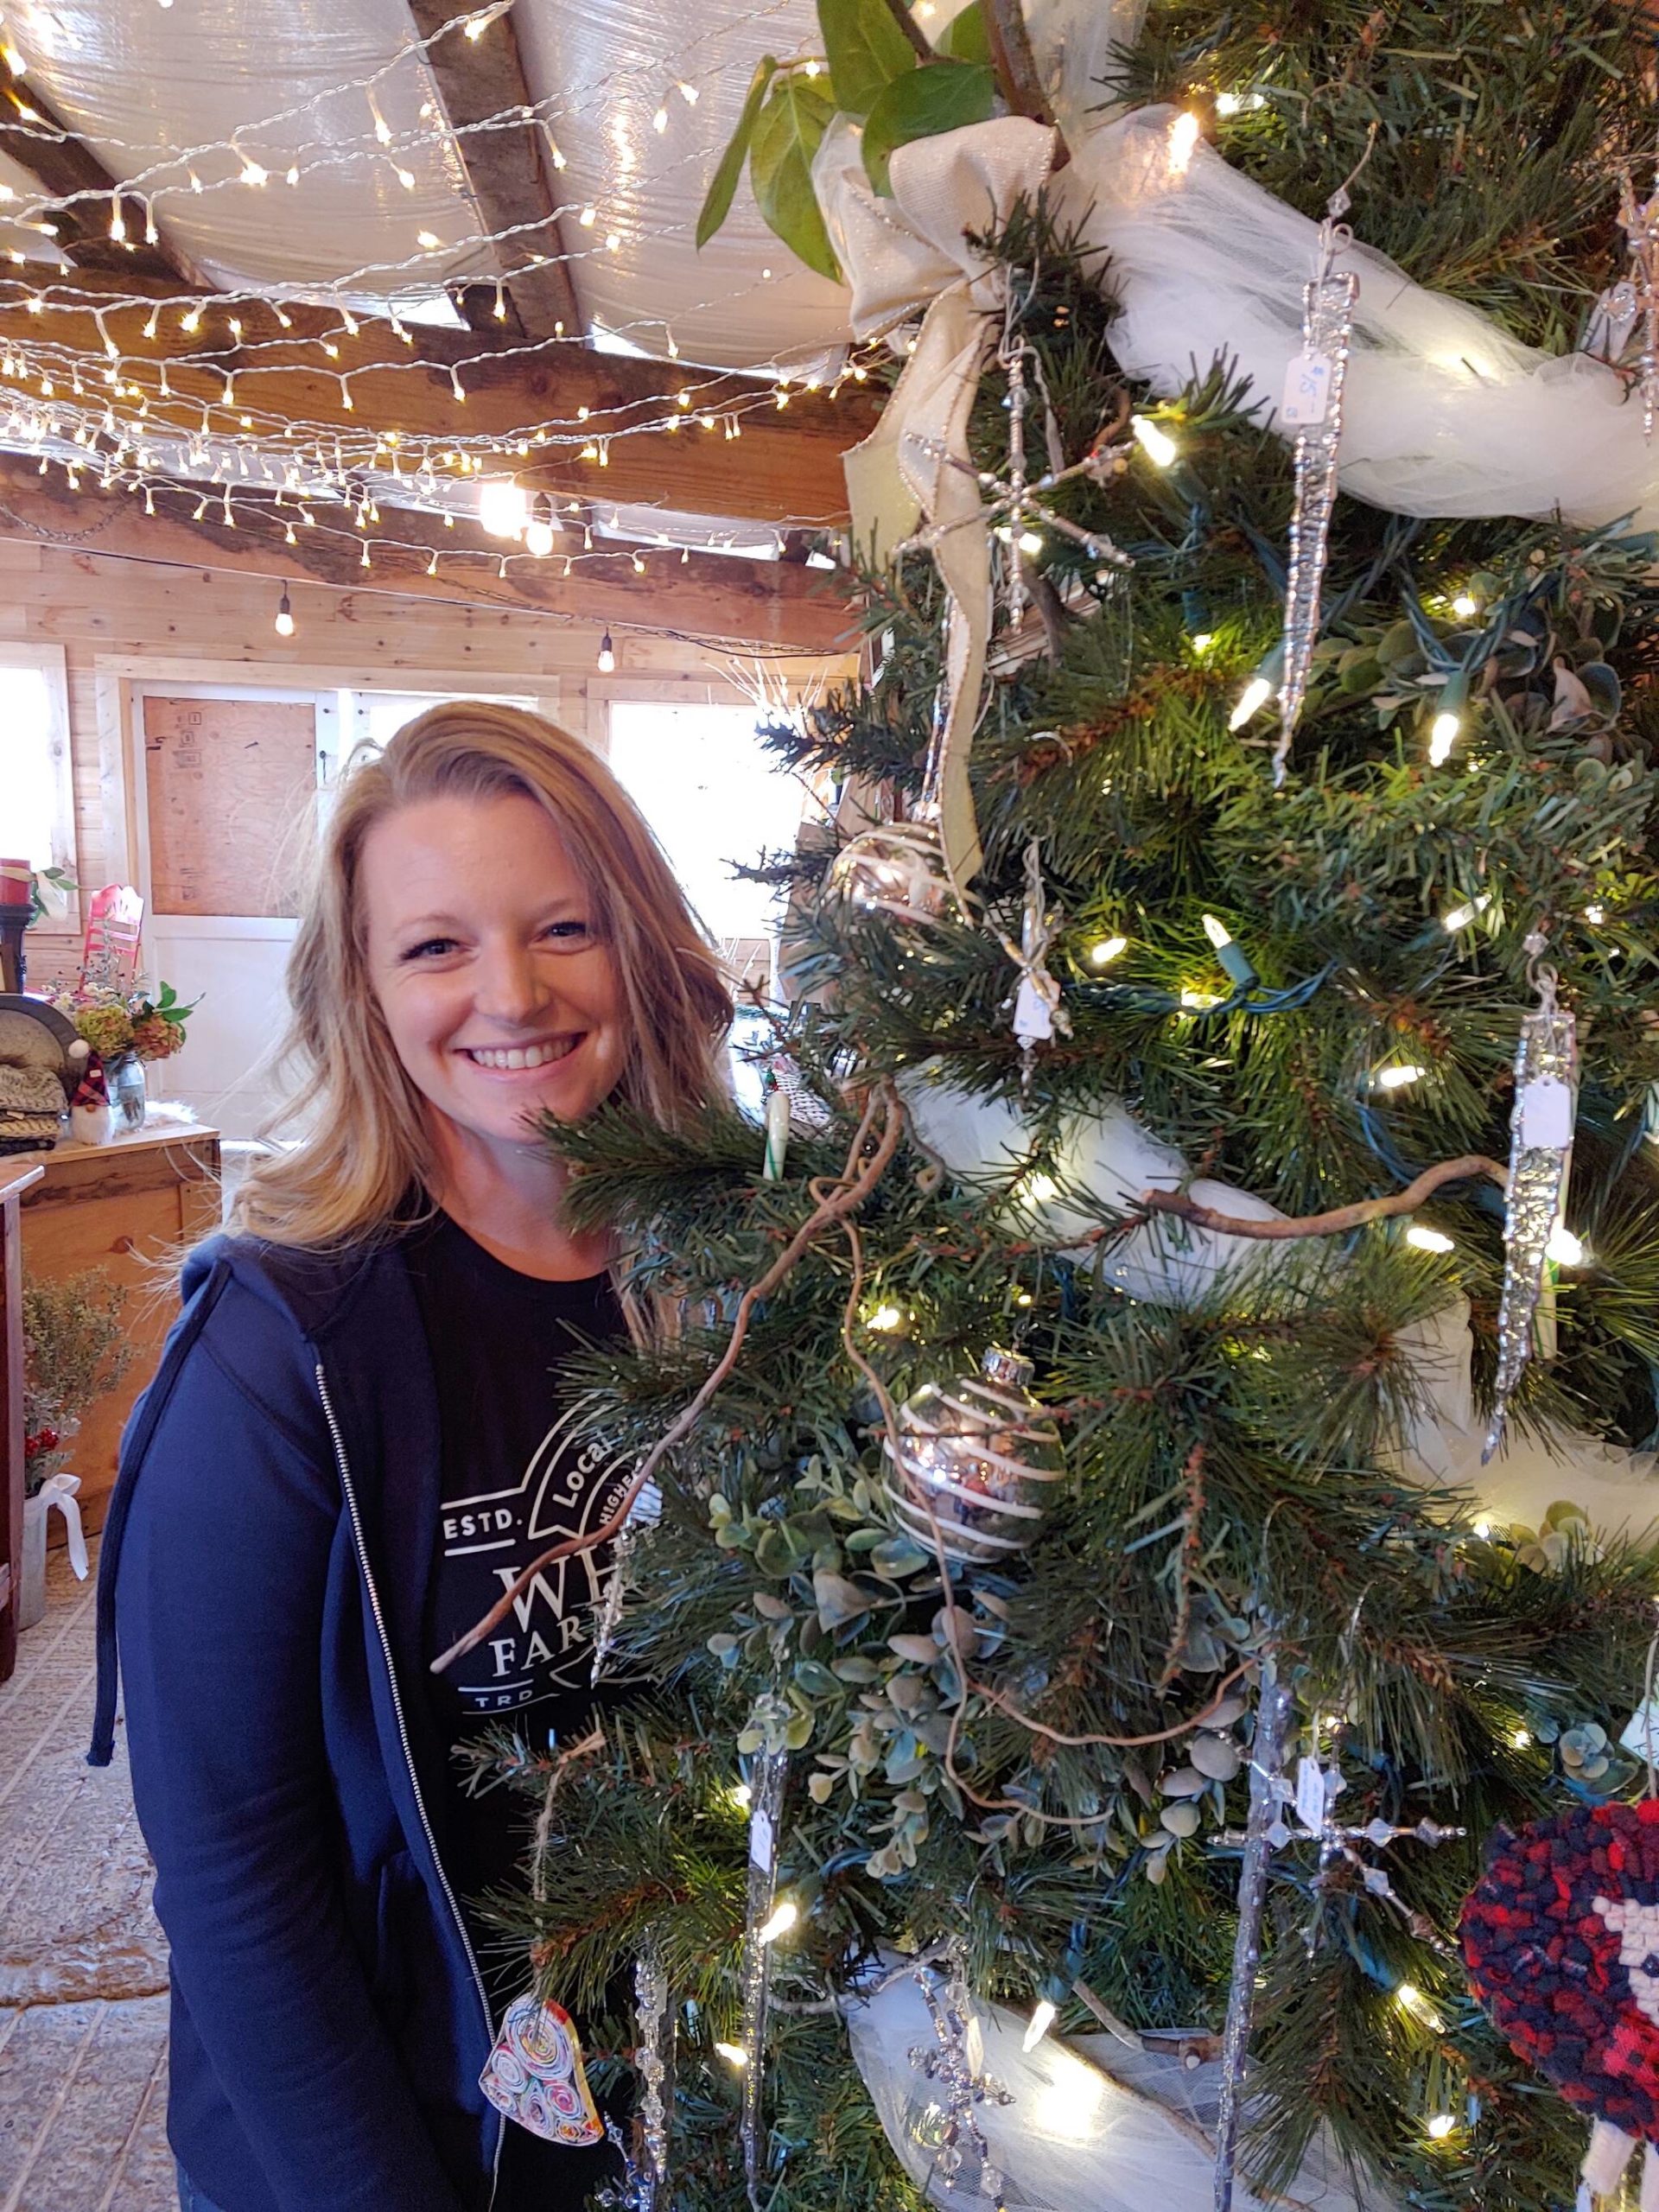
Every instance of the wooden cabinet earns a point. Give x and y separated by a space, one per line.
14 1179
121 1207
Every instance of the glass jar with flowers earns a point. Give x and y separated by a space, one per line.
126 1032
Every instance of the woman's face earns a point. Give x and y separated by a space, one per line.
501 1000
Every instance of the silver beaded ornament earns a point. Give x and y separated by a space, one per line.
1541 1153
972 1459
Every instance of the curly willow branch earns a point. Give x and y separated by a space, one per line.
1339 1220
835 1202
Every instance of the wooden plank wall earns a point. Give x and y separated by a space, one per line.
69 597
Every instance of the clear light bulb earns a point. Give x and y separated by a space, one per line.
284 622
503 507
1428 1239
1182 137
1442 736
1217 930
606 655
732 2053
784 1915
1464 605
1043 2017
1251 700
1154 441
886 1317
1397 1077
1107 949
1460 916
1564 1248
1441 2127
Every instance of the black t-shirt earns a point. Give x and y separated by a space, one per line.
512 1487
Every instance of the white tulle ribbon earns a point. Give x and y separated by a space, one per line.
1444 414
62 1491
902 255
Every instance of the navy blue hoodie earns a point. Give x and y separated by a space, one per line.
263 1572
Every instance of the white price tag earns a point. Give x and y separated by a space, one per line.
1033 1017
1547 1114
762 1842
1310 1794
1307 390
1642 1732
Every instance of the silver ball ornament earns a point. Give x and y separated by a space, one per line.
973 1456
896 869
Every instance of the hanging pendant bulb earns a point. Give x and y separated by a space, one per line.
284 622
606 655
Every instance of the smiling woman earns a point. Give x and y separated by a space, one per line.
364 1403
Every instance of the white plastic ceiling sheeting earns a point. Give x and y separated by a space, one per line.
744 299
17 189
147 84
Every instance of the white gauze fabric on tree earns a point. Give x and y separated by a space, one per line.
1444 415
1128 2132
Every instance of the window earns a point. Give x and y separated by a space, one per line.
37 801
714 795
375 717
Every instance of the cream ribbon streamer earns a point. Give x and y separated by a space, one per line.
914 466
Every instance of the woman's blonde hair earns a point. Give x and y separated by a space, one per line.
365 1145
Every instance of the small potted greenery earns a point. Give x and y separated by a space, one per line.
74 1351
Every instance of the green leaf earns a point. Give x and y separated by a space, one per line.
717 202
867 51
967 37
790 129
942 97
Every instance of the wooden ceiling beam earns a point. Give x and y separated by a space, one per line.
509 169
767 603
785 467
66 167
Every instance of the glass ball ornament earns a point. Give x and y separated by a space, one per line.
897 869
973 1456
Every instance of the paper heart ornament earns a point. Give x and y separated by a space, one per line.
535 2074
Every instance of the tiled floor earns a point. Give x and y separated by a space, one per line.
83 1971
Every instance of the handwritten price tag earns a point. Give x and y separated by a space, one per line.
1307 390
762 1842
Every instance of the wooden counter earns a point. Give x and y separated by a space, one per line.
120 1206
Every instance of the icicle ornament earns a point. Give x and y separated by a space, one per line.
1312 403
1541 1153
1267 1765
767 1777
1637 296
653 2060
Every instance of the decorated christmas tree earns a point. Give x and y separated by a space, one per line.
1080 1666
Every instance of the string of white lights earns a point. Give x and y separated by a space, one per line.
156 179
621 619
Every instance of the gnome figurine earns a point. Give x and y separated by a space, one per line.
90 1119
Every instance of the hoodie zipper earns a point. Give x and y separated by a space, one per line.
350 1493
